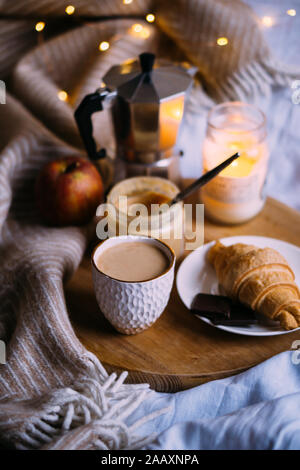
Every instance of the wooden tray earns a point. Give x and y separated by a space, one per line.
180 351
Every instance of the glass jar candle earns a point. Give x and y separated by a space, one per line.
135 202
237 193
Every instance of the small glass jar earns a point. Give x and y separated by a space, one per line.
237 193
128 218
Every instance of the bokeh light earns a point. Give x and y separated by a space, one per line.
70 9
103 46
62 95
40 26
150 18
267 21
222 41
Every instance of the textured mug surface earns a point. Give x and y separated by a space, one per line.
132 307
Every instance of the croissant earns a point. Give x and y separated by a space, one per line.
260 278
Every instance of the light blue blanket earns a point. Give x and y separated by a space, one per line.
258 409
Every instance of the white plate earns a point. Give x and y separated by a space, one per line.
196 275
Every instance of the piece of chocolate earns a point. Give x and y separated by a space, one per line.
210 306
240 315
220 310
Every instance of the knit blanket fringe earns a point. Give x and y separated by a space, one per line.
90 414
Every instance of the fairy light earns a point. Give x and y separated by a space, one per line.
222 41
267 21
40 26
150 18
139 31
145 33
103 46
62 95
137 28
70 9
291 12
127 2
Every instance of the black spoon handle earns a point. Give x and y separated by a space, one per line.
203 179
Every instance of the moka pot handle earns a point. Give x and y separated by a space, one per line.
83 115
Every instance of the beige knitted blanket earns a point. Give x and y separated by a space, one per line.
54 394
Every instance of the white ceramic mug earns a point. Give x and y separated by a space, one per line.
132 307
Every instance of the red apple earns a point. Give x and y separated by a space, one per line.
68 191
